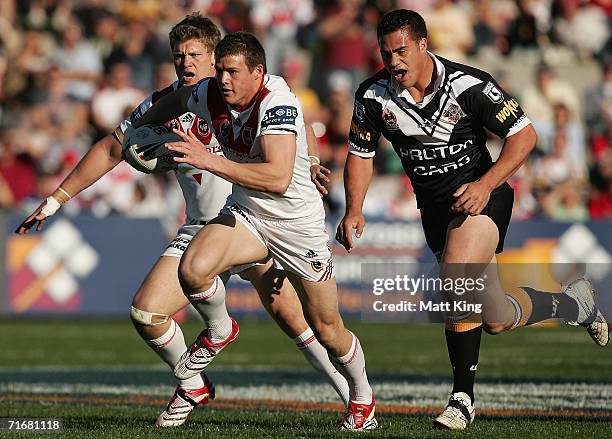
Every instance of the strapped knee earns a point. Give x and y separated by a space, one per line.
147 318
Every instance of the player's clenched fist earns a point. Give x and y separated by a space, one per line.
344 234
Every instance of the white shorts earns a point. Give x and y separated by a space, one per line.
298 246
177 247
183 237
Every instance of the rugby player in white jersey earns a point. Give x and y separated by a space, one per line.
160 296
274 209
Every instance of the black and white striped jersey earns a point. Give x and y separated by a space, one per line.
441 141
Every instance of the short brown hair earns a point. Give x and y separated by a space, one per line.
196 27
242 43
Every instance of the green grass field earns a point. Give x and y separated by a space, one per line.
103 382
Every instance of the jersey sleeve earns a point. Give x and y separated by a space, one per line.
495 109
281 115
364 132
197 98
136 114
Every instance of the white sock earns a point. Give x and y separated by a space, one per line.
170 347
352 366
210 304
317 356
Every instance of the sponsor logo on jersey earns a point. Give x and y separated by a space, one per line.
436 152
518 122
359 111
453 113
187 118
135 115
509 109
247 136
279 115
442 169
203 128
493 93
354 147
360 133
390 119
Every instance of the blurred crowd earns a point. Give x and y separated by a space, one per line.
70 70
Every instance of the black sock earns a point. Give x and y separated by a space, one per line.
463 349
546 306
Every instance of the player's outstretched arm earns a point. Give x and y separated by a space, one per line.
167 108
319 174
357 175
473 197
103 156
272 175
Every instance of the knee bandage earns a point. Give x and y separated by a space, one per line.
148 318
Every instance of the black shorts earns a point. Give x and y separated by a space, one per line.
436 219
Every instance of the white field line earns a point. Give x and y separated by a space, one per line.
517 395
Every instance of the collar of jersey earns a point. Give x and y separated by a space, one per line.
404 93
236 113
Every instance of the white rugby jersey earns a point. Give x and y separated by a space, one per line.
275 110
204 192
442 140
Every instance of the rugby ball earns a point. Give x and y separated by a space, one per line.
144 148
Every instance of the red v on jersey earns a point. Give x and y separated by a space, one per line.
221 120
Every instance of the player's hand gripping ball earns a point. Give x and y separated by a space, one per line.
144 148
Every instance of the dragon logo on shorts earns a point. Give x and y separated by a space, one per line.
316 266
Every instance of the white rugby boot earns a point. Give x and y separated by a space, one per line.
201 353
459 413
183 402
589 316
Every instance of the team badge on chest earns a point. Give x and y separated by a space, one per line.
453 113
203 128
390 119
